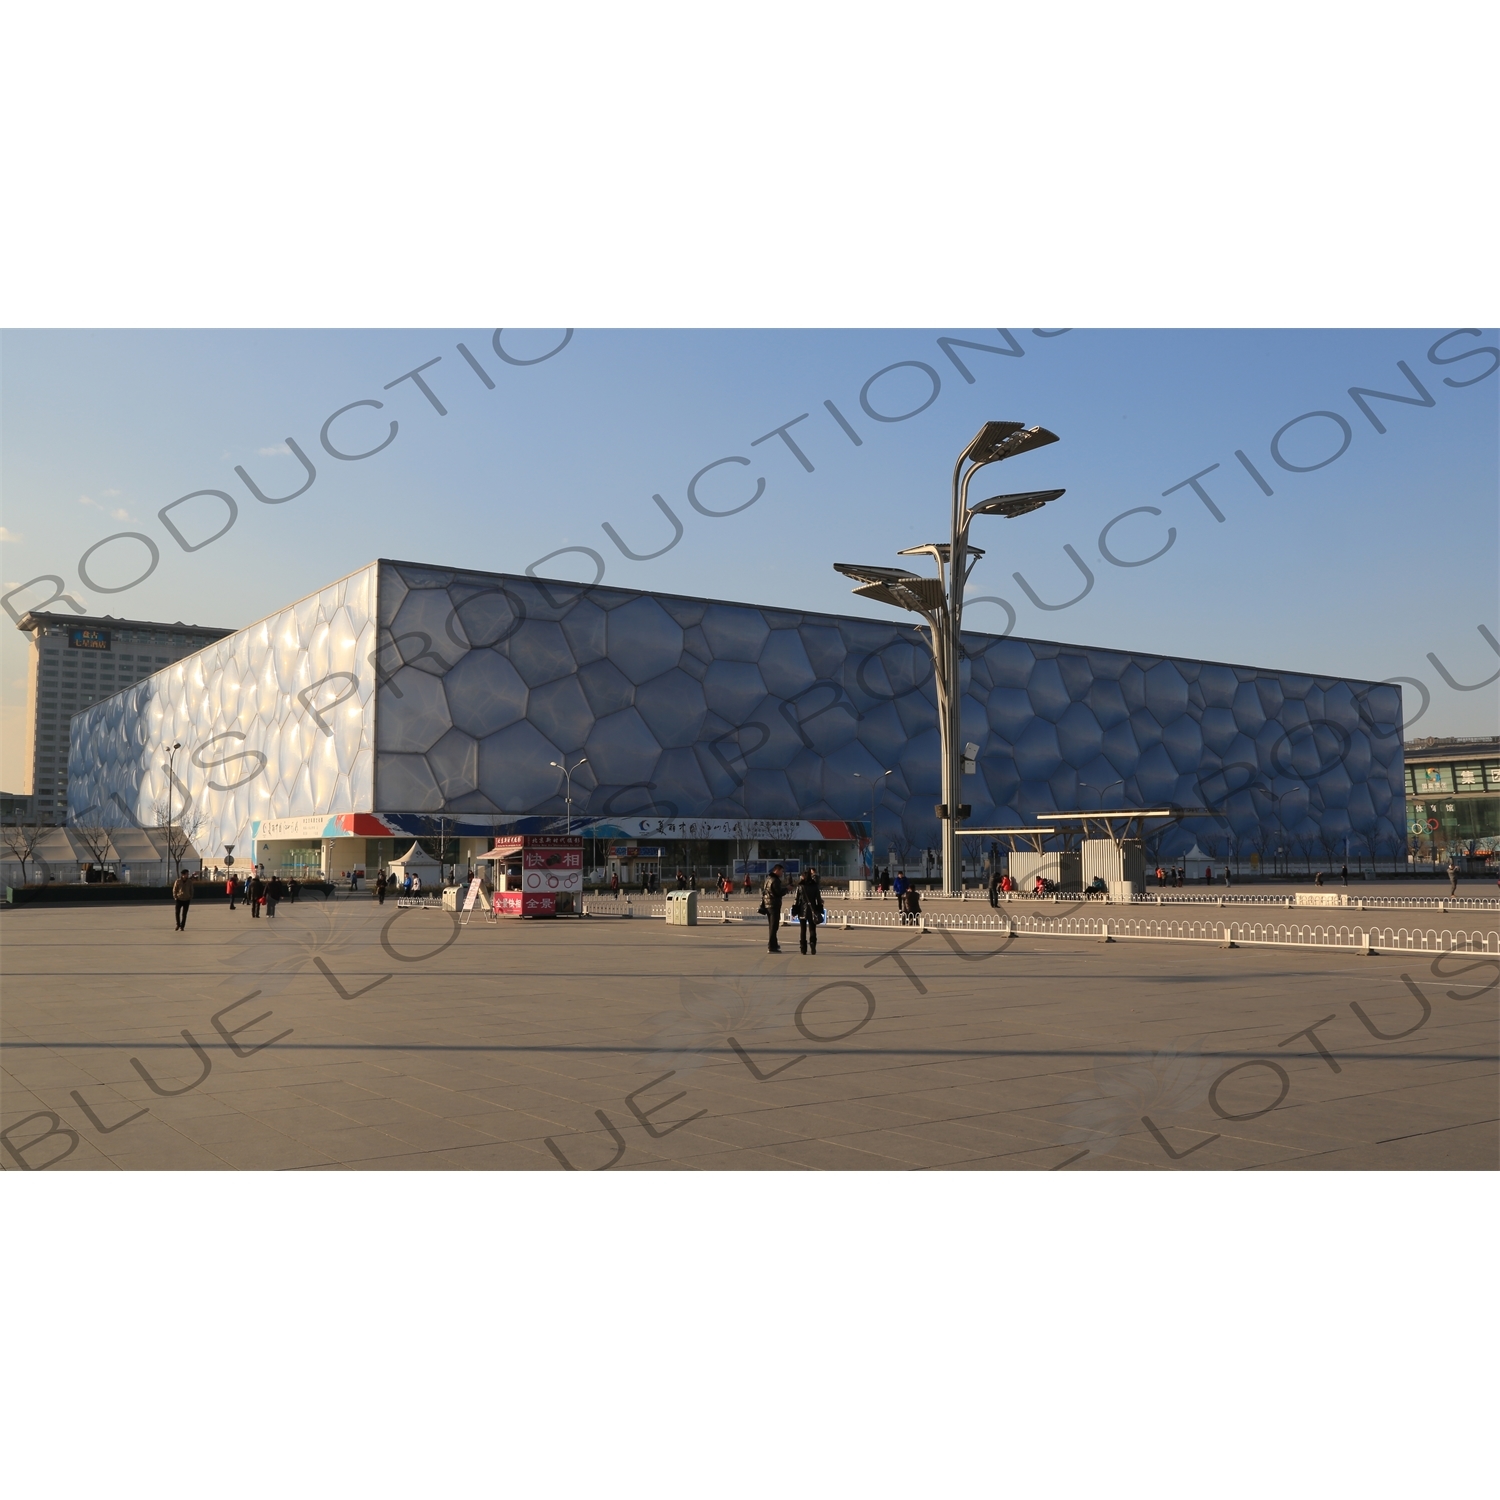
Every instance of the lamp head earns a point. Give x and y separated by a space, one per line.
873 573
984 448
997 440
1012 506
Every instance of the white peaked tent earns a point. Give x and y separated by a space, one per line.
1195 862
416 861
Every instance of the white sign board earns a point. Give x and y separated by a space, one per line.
475 890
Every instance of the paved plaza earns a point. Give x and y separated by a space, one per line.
349 1035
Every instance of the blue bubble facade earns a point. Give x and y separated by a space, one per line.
449 691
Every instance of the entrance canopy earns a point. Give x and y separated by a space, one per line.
1034 837
1114 824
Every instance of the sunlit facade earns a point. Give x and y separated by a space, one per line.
409 699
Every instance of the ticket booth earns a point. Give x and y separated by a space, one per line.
635 864
537 874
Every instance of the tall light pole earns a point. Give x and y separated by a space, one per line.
874 792
583 760
940 600
171 778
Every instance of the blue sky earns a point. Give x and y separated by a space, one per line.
1360 567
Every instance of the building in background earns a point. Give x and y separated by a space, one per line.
410 699
16 807
76 660
1453 797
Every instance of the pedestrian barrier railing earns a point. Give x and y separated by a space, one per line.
1101 926
1245 898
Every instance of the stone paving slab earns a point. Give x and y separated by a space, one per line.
347 1036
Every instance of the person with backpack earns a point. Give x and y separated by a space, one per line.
911 905
808 909
772 894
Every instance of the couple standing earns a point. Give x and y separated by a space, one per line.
807 907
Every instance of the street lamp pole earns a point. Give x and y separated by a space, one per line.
940 601
583 760
874 792
171 779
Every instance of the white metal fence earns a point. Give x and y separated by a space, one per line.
1103 924
1227 899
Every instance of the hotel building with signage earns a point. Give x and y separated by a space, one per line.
76 661
413 700
1453 799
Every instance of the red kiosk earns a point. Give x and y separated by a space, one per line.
537 874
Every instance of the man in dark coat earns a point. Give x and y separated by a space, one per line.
808 909
182 897
772 894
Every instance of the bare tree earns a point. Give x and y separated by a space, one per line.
1151 842
95 841
1234 843
905 847
1263 841
1329 844
974 852
20 838
180 828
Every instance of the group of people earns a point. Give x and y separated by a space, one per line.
1174 875
256 892
807 906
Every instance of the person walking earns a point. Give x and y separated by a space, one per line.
772 894
380 889
257 894
1452 876
1227 880
182 898
995 887
275 890
911 906
808 909
231 889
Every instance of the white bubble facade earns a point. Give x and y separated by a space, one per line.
413 690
